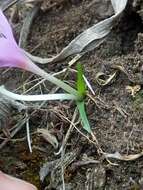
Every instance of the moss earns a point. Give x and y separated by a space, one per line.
32 177
138 101
135 187
33 162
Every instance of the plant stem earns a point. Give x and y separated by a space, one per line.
33 98
35 69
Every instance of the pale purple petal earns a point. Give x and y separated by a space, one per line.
5 28
11 55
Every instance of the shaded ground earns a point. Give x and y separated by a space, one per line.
116 116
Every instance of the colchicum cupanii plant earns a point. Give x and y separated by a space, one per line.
11 55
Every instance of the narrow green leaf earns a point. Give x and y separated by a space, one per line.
81 86
83 116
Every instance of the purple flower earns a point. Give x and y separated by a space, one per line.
11 54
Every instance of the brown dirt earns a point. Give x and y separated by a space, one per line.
116 118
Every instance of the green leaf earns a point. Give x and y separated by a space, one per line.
83 116
81 86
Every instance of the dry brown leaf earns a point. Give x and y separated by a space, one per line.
118 156
45 133
133 89
107 80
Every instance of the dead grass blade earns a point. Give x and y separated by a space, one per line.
107 80
118 156
89 39
48 137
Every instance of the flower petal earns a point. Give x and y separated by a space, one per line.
11 55
5 28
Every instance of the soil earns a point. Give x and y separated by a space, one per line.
115 116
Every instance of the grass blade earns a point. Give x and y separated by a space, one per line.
83 116
81 86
